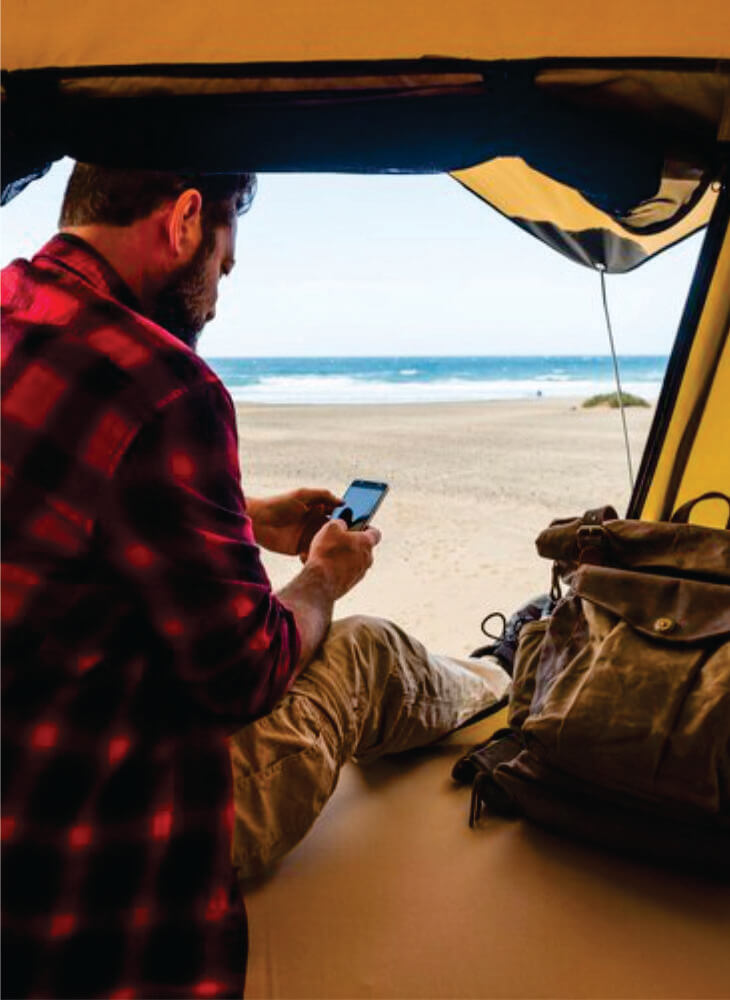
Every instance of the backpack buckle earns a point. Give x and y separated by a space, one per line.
591 539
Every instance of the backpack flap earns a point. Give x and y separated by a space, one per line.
672 609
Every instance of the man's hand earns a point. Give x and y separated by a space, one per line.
288 522
343 557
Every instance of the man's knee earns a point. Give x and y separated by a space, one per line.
369 640
360 628
374 652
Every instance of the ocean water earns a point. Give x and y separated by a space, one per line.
433 379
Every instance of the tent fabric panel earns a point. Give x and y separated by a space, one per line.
709 459
518 190
155 83
706 454
565 220
194 133
692 104
86 33
47 115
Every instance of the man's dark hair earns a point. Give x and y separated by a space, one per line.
115 196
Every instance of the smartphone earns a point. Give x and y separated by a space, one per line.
362 498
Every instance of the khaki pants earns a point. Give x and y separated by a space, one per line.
371 690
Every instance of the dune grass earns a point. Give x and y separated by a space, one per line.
610 399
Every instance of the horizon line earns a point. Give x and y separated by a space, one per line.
304 357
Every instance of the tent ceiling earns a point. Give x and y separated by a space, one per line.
87 33
602 131
596 160
513 100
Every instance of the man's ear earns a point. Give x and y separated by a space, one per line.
185 225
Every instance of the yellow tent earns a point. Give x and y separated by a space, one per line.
602 130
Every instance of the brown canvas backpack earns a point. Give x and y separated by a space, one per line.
620 711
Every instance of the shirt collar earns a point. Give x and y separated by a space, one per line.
75 254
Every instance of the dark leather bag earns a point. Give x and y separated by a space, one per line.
620 710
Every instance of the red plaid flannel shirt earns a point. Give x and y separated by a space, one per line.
139 628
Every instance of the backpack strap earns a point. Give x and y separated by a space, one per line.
681 514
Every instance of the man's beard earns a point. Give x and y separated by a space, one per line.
181 305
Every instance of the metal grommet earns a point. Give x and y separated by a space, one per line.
664 625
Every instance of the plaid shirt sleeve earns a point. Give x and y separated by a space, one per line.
175 529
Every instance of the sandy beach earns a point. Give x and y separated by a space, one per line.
471 485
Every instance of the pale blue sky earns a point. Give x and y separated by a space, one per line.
336 264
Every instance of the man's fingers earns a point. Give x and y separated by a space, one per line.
369 537
312 497
373 534
314 519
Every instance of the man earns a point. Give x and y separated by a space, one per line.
140 628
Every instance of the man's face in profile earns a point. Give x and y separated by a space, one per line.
189 299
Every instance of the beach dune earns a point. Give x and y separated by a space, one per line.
471 485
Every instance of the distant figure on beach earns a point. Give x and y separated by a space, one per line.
143 646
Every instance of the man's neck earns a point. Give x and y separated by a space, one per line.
127 250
